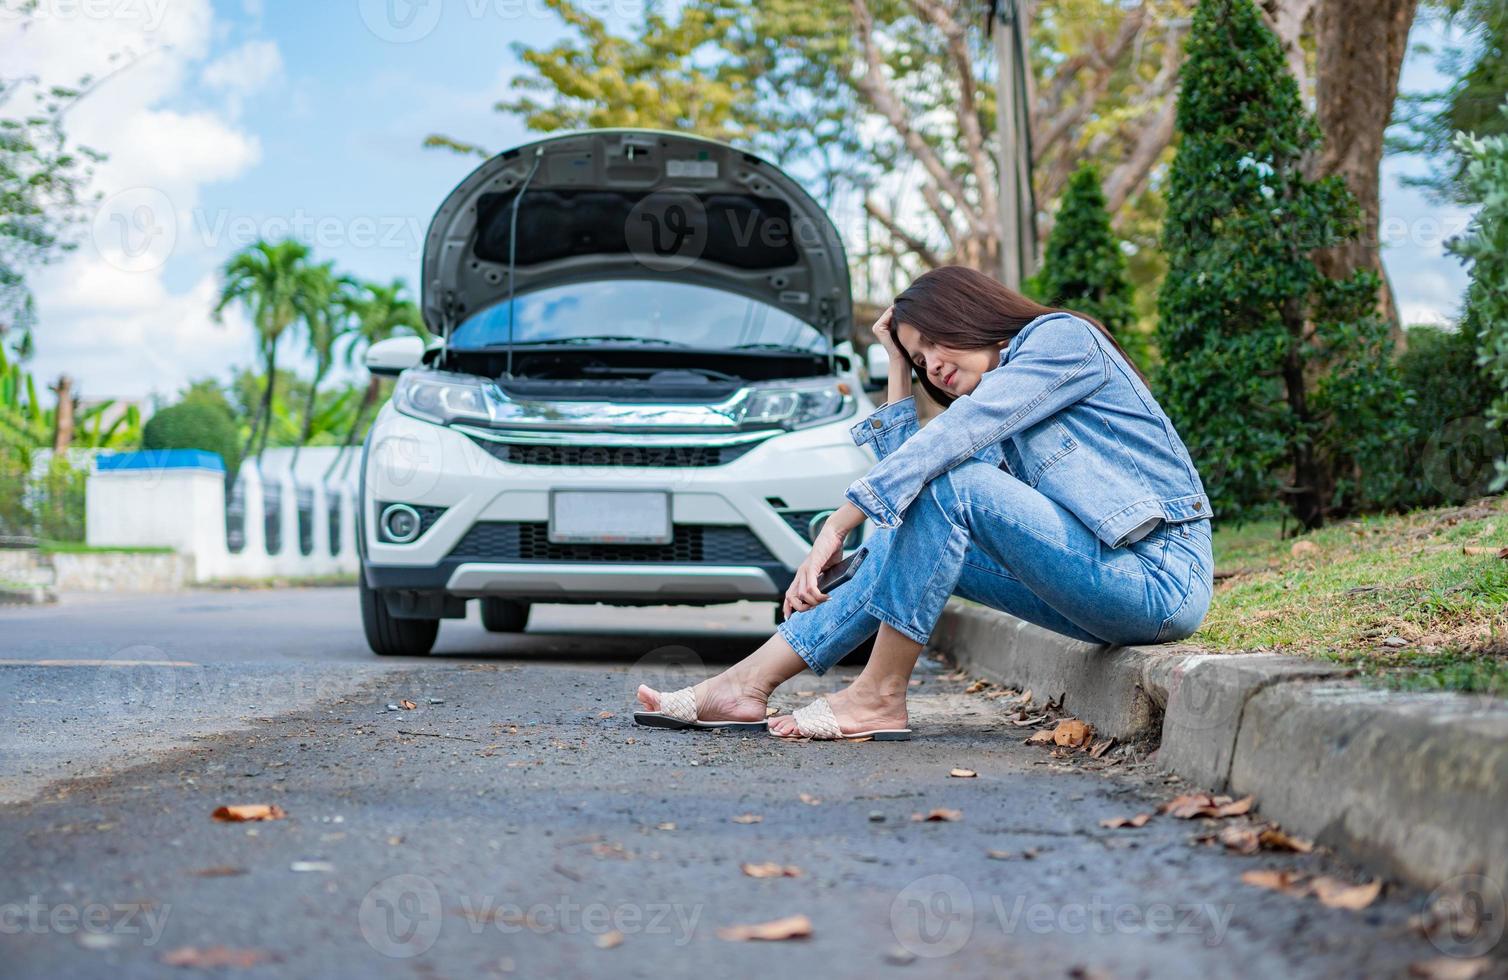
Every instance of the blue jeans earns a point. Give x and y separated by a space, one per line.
980 533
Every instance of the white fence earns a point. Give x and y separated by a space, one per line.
276 521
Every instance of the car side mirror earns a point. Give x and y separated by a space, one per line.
395 355
877 365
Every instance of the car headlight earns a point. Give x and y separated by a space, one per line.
796 406
438 396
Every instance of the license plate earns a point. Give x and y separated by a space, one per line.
611 516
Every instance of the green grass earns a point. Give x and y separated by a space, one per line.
1394 596
80 548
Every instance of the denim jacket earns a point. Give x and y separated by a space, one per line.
1064 413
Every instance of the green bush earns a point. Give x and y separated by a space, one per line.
1485 246
1083 268
1279 379
1450 459
195 423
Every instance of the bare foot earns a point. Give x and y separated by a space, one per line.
858 708
719 698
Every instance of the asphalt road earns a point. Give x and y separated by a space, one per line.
515 822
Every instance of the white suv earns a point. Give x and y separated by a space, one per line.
642 393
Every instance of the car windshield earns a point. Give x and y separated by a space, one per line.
630 310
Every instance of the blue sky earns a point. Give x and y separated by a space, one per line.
245 119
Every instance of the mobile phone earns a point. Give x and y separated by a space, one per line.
840 573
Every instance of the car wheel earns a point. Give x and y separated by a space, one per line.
392 637
504 615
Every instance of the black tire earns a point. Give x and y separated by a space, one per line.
504 615
390 637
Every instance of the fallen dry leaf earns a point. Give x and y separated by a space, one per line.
976 687
1302 548
1475 550
1044 737
1278 880
790 927
1450 968
748 818
609 939
1275 839
1336 894
771 712
1026 721
249 811
213 957
1072 733
1115 823
998 855
1242 840
407 705
605 714
962 773
1100 748
223 871
770 869
667 825
941 814
809 799
1191 805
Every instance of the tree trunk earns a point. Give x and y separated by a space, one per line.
62 431
1361 46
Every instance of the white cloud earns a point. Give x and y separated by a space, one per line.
245 70
107 315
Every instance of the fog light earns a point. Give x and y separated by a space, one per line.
814 526
400 523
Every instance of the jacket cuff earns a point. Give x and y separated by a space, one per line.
862 496
886 427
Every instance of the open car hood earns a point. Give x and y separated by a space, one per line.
634 204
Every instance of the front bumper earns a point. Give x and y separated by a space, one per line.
735 523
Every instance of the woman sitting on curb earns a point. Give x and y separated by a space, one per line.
1052 487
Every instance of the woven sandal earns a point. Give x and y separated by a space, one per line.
678 711
817 720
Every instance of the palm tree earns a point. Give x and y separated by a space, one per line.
326 315
378 312
271 282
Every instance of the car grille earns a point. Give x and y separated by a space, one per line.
799 520
708 544
530 454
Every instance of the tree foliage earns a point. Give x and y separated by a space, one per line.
195 423
1084 269
1279 379
1485 246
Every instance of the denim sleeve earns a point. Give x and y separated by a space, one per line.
887 427
1056 363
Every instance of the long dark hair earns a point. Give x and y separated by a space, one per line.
962 308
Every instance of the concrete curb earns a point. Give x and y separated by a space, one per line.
1414 785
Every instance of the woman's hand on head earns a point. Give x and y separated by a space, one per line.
884 333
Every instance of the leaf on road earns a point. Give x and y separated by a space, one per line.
1450 968
1191 805
407 705
790 927
1026 721
770 869
605 714
1278 880
976 687
1072 733
1115 823
667 825
213 957
1277 839
941 814
1100 748
609 939
1242 840
995 855
810 800
240 812
222 871
1044 737
748 818
962 773
1337 894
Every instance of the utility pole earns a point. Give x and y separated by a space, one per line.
1010 28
